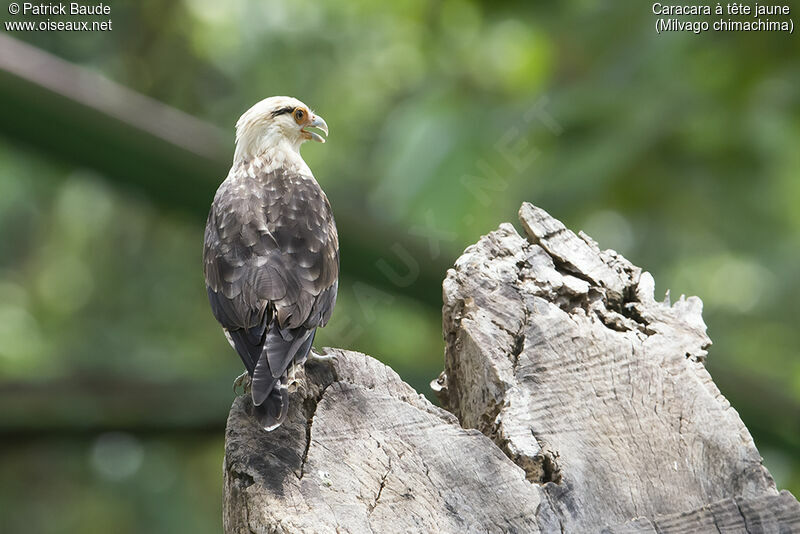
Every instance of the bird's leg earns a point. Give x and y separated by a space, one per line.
296 383
245 381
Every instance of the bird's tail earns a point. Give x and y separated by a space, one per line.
270 377
272 411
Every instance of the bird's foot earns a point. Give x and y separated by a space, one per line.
328 359
245 381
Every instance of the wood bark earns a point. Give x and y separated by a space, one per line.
577 403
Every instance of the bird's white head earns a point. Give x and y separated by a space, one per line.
277 123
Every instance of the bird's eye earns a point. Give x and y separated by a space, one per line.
299 114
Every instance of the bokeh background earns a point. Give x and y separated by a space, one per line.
681 151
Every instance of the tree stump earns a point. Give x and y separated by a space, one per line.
577 403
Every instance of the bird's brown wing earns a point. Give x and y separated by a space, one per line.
271 263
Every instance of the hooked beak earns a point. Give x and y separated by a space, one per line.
318 123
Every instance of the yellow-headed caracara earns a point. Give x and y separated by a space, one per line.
271 251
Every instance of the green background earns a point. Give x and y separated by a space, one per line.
680 151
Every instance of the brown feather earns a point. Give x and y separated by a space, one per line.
271 265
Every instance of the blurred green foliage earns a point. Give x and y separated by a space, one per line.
680 151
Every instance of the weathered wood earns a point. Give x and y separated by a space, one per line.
594 408
768 513
362 452
559 352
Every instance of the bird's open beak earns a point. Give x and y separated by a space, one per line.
318 123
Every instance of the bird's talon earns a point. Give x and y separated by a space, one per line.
323 358
245 381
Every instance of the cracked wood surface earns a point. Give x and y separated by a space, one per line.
767 513
581 405
362 452
559 352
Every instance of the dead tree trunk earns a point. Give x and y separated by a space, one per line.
581 405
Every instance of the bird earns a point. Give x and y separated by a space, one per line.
271 251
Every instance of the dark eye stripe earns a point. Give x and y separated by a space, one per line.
282 111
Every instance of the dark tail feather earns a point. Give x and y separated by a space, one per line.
305 348
281 348
269 386
272 412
